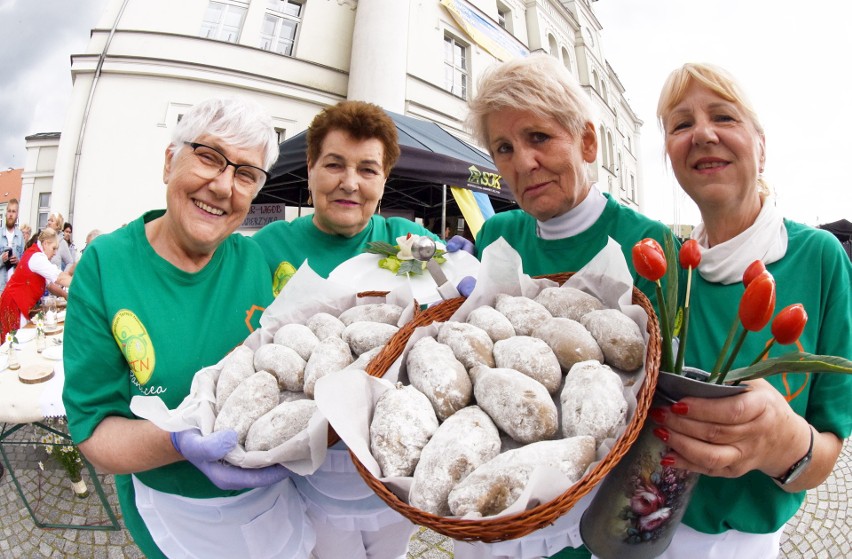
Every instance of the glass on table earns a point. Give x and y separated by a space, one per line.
50 318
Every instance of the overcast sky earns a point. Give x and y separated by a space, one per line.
791 57
37 38
793 60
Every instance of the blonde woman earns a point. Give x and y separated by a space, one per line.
63 257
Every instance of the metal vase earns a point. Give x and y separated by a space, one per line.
640 503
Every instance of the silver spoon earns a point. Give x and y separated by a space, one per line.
423 249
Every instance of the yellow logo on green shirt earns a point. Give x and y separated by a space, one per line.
281 276
135 343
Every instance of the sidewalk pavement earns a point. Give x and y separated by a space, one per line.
821 529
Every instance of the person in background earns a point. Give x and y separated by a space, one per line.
761 450
68 230
89 238
153 303
63 257
351 149
27 232
536 121
28 283
11 244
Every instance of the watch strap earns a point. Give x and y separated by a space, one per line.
797 468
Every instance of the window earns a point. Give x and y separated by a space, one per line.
554 49
566 59
455 67
43 209
280 25
281 134
223 21
504 17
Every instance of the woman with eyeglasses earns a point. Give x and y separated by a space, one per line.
153 303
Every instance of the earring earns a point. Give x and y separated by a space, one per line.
379 207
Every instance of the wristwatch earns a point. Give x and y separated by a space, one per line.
799 467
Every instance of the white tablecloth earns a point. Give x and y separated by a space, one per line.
25 403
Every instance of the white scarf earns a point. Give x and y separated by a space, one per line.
765 240
576 220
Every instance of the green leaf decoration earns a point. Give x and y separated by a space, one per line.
678 323
390 263
671 277
410 267
379 247
795 362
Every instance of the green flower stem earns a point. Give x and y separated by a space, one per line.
717 366
681 349
764 352
724 372
667 361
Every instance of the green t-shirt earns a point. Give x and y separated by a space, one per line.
287 244
544 256
170 323
817 273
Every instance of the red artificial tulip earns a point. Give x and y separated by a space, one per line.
789 324
690 254
754 269
758 302
649 259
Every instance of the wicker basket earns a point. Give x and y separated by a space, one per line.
528 521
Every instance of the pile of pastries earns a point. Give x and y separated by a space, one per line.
517 385
266 395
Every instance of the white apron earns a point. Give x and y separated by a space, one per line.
547 541
348 517
689 544
262 523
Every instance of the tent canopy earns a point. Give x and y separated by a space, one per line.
841 228
430 158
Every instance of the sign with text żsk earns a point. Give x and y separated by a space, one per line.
485 32
263 214
483 181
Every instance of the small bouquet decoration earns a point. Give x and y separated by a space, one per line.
12 341
756 308
68 456
398 258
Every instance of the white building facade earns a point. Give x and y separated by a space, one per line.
149 60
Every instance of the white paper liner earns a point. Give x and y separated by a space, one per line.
348 400
304 295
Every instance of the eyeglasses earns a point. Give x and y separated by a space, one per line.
213 163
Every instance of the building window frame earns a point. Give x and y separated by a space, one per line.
285 19
456 66
504 17
43 210
221 26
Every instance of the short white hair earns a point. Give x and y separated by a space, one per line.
238 121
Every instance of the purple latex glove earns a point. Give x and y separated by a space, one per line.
460 243
466 285
206 454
